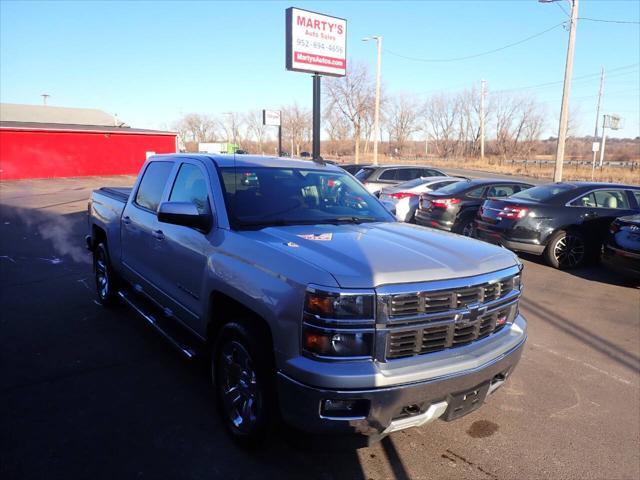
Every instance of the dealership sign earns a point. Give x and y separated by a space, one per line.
316 43
271 117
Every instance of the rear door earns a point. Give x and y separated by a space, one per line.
141 243
380 179
610 204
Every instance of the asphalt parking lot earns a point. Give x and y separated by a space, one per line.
92 393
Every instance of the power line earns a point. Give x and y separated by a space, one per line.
467 57
562 8
608 21
582 77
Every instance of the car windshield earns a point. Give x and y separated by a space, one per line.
543 192
260 197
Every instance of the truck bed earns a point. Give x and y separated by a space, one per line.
117 193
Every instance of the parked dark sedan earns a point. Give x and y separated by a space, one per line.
621 250
565 222
455 206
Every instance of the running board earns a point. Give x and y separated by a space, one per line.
186 351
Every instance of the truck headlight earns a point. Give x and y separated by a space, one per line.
338 304
338 324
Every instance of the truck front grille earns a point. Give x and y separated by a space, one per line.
430 321
404 305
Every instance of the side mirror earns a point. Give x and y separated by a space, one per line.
185 214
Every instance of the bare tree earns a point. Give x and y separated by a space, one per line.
195 128
232 123
296 125
256 129
401 117
519 120
353 96
441 114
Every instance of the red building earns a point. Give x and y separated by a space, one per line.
44 142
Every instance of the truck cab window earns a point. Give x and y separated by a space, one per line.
190 186
152 185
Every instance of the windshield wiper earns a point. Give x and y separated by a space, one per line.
279 222
349 219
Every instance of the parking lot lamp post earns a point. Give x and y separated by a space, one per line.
376 114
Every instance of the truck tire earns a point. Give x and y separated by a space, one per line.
567 249
106 278
243 375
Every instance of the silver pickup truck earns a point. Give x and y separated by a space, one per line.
315 306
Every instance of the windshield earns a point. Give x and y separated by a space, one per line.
258 197
543 192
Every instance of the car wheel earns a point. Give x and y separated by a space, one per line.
106 278
243 378
467 228
566 249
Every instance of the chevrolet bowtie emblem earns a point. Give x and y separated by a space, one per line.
470 314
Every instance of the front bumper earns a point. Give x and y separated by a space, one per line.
396 407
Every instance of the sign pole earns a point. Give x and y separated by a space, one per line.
316 117
279 140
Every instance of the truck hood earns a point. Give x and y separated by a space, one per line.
374 254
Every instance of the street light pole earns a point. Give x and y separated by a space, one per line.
564 110
482 90
376 114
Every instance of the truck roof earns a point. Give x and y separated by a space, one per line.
230 160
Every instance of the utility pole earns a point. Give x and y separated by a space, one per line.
482 92
595 134
376 114
564 111
604 139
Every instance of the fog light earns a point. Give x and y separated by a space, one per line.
344 408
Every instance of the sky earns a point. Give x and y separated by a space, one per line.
152 62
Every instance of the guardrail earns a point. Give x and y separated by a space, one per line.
630 165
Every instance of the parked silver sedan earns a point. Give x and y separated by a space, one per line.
402 199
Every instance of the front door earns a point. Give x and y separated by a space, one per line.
184 250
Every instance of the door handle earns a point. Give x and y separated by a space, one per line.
591 215
126 220
158 235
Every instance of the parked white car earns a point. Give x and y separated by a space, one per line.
402 199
